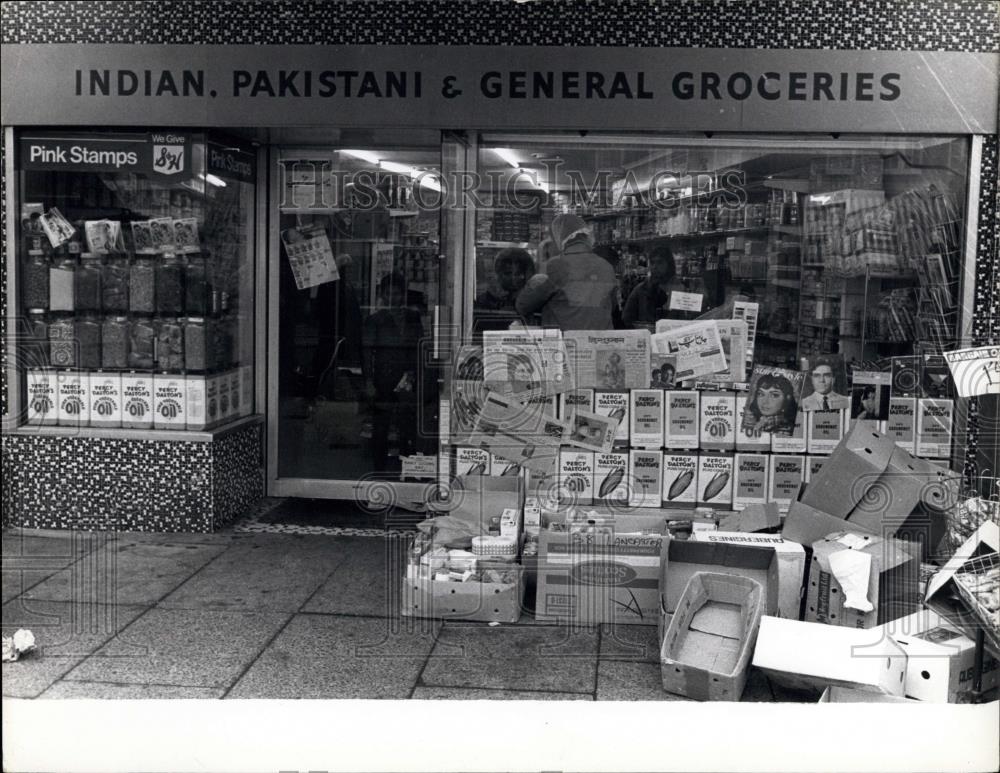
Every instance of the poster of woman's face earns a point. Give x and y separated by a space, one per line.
772 401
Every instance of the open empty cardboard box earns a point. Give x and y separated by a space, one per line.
706 648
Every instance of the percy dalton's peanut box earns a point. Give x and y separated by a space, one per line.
715 480
717 431
568 403
73 406
680 472
196 416
611 478
547 404
502 468
137 401
795 443
825 430
576 477
646 416
645 478
682 418
785 478
225 403
105 399
750 485
813 465
749 439
935 421
472 461
169 401
902 422
614 404
42 397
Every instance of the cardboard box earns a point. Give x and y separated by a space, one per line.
754 518
680 485
940 659
105 396
472 461
847 695
813 465
73 400
785 478
791 558
42 397
645 478
794 443
682 419
683 558
752 439
137 401
751 484
170 401
611 478
646 417
813 656
717 430
576 477
935 426
478 601
706 648
223 385
602 578
478 500
901 425
614 404
196 416
892 587
715 480
825 430
569 403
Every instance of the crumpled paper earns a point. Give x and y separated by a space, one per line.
22 642
853 571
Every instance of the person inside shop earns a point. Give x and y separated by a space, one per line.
511 270
338 327
651 299
772 407
824 379
392 337
578 290
867 407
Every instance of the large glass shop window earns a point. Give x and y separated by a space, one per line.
136 263
829 268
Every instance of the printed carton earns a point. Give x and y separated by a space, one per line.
901 425
646 416
785 478
472 461
611 481
935 425
614 404
680 485
137 401
645 478
169 401
751 484
42 397
795 443
105 399
73 400
717 431
682 419
824 430
715 480
749 439
576 477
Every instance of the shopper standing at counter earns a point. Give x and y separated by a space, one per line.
650 300
578 289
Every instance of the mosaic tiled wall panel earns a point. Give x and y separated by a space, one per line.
130 485
237 473
968 25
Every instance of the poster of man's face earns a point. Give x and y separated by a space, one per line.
825 386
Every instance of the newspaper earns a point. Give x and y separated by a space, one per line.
609 359
697 347
734 336
524 364
519 433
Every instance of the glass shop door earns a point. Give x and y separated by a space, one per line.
355 291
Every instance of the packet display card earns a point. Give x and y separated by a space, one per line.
682 419
715 480
646 416
186 235
679 479
615 406
56 227
750 486
162 229
717 430
142 237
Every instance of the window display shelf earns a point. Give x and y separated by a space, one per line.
156 435
503 245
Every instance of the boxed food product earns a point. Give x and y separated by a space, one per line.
749 438
750 486
501 468
813 656
785 478
223 387
611 482
902 422
615 405
824 430
472 461
645 478
682 419
791 558
715 480
935 424
105 399
940 658
211 401
813 466
605 577
706 649
137 401
196 416
646 416
235 394
170 401
576 477
575 400
680 472
793 443
42 397
754 518
860 580
73 402
717 431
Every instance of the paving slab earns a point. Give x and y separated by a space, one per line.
631 681
112 691
473 694
638 643
192 648
329 656
262 572
556 659
32 555
64 633
367 582
127 572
